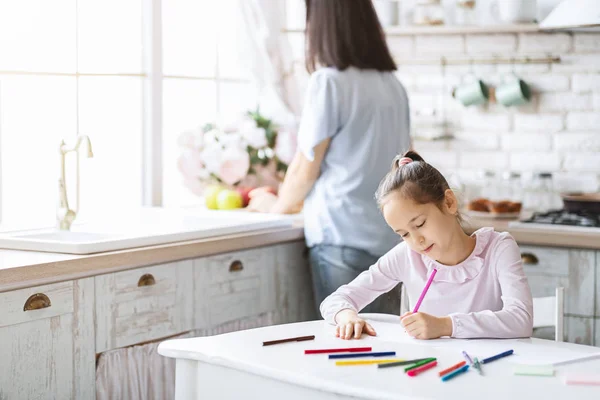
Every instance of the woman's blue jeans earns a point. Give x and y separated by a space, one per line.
334 266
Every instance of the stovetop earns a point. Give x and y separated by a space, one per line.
561 220
562 217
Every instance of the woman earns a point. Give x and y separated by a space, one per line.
355 120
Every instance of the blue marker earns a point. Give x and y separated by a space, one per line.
381 354
497 356
454 373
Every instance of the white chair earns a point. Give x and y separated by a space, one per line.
549 311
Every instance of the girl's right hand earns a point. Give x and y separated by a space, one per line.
349 325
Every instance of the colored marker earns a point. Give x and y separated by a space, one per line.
497 356
452 368
417 371
424 292
379 354
398 363
454 373
417 365
467 357
534 370
477 366
294 339
582 380
365 362
349 349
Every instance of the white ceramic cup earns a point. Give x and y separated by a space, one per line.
512 11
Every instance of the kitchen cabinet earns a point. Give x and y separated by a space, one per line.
576 271
50 334
47 342
143 304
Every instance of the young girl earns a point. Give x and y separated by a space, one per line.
479 289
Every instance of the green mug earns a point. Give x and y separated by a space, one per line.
513 93
472 93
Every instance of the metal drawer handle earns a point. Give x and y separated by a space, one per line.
37 302
146 280
236 266
529 259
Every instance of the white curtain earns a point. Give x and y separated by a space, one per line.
266 52
140 373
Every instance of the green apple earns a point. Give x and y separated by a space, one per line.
210 196
229 200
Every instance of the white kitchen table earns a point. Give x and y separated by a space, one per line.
236 366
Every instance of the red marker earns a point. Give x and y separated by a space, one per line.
349 349
416 371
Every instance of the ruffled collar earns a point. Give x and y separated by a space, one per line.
469 268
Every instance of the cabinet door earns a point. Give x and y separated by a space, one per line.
295 300
143 304
234 285
574 269
47 347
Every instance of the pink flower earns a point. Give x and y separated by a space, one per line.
285 148
235 163
190 164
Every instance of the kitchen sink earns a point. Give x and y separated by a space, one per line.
142 227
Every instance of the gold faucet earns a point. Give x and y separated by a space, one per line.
65 215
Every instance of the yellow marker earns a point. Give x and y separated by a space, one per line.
366 362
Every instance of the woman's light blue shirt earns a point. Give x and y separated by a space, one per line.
366 115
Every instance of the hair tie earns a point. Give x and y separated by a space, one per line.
404 161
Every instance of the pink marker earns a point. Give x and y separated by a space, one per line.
424 291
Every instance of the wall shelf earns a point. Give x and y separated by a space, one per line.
452 29
460 30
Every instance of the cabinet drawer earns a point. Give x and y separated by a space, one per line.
31 304
234 285
545 261
143 304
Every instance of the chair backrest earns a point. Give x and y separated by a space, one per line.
549 311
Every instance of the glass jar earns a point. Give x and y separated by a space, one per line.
428 12
491 189
465 13
511 188
541 196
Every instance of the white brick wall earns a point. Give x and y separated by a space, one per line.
577 63
527 141
577 141
597 101
565 101
450 44
583 83
582 162
481 44
486 122
539 43
586 121
587 42
531 160
497 160
547 82
539 122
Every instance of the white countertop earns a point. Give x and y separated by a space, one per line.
243 351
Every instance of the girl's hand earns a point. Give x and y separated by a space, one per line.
349 324
425 326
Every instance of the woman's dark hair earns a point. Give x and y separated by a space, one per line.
414 179
345 33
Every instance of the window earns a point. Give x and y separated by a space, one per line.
76 67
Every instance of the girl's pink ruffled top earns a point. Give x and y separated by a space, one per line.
486 295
